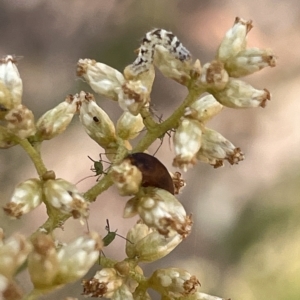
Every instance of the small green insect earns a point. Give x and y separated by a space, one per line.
111 235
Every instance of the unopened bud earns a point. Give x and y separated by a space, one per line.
249 61
26 197
56 120
64 196
215 149
6 102
6 138
148 245
127 177
234 40
10 77
103 79
161 210
170 66
204 109
13 253
213 76
174 282
129 126
96 122
187 142
239 94
21 121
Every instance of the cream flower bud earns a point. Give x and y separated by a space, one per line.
148 245
6 102
64 196
122 293
161 210
56 120
203 296
9 290
9 75
239 94
215 149
234 40
203 109
249 61
127 178
96 122
43 263
26 197
21 121
174 282
213 76
187 142
13 253
6 138
104 284
77 257
170 66
103 79
129 126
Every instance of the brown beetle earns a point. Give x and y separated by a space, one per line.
154 172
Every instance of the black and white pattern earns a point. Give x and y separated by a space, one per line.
153 38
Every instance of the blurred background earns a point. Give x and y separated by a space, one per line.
245 240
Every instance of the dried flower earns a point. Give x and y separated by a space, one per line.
203 109
187 142
215 149
174 282
26 197
10 77
161 210
64 196
21 121
129 126
103 79
96 122
56 120
239 94
104 284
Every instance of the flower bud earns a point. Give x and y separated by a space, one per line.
13 253
234 40
187 142
10 77
239 94
122 293
249 61
103 79
213 76
148 245
26 197
161 210
6 101
77 257
135 93
21 121
127 177
6 138
56 120
96 122
204 109
174 282
170 66
9 290
64 196
104 284
215 149
129 126
43 262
